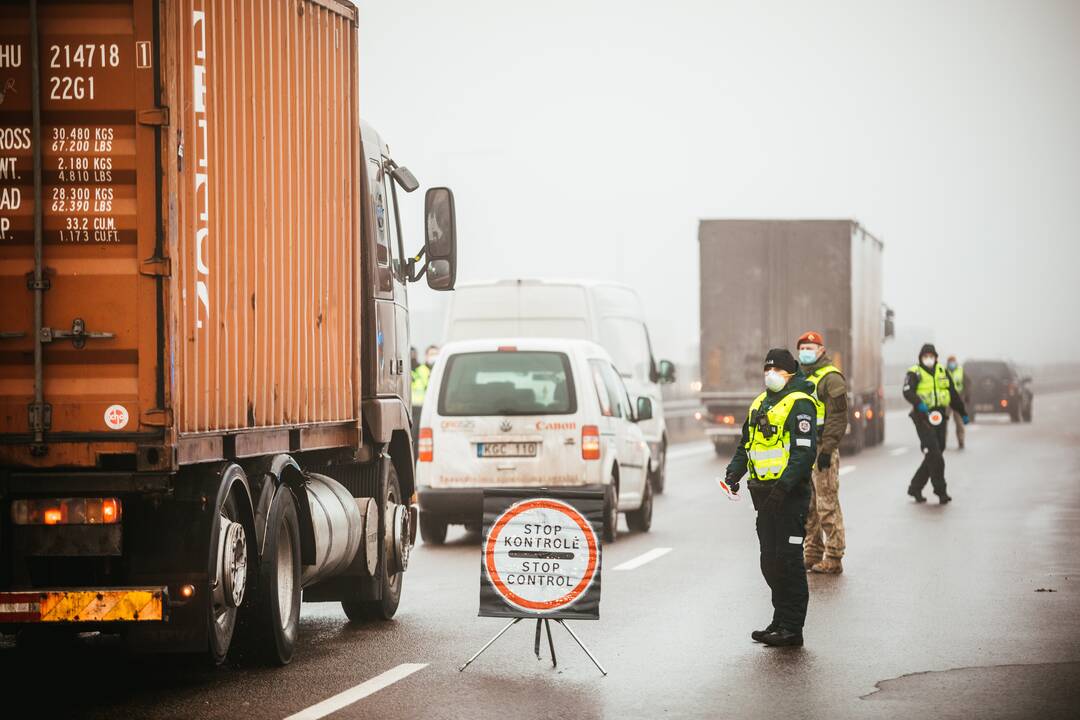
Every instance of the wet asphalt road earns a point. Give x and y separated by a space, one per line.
943 611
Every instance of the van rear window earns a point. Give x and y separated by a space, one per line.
507 383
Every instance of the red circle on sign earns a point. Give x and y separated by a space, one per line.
510 595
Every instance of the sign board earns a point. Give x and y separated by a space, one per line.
541 554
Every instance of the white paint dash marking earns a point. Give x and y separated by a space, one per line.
898 451
844 470
642 559
361 691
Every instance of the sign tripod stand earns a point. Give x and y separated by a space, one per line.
536 643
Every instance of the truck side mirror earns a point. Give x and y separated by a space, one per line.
405 179
644 409
666 372
890 323
440 238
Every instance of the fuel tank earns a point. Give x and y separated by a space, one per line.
340 522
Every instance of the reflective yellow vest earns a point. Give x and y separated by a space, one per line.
958 378
933 389
420 377
767 458
815 378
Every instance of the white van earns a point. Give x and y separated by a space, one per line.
529 412
608 314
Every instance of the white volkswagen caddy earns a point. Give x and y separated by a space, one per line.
529 412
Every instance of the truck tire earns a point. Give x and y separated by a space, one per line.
277 610
659 477
387 605
432 528
611 512
221 620
640 520
1014 413
1028 412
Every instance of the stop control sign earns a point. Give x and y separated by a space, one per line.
542 557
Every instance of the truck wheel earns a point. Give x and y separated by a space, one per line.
640 520
611 512
390 582
432 529
228 548
657 478
1028 412
278 601
1014 413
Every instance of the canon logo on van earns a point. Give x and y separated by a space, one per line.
541 425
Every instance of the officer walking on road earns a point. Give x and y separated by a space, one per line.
421 375
930 390
825 541
956 370
778 448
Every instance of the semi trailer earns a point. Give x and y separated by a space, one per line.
763 284
204 331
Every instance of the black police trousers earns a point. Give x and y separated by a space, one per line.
932 439
780 536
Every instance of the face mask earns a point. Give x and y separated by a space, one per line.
807 357
928 361
952 366
775 381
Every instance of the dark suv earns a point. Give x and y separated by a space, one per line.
997 387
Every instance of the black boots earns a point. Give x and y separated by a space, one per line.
758 634
783 638
917 494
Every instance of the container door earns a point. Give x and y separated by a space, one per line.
94 144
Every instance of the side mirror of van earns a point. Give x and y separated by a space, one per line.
440 238
666 372
644 409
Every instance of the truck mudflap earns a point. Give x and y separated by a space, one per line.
96 605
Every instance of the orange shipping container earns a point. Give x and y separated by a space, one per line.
200 239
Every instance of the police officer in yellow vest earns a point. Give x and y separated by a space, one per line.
930 390
957 371
421 375
825 536
778 449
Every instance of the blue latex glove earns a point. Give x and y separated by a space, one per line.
966 419
921 407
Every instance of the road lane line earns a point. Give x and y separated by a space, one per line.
642 559
845 469
898 451
361 691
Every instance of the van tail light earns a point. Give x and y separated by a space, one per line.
426 448
1004 402
590 442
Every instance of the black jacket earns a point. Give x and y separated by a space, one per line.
801 423
911 386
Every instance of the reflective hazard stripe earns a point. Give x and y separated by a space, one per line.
105 605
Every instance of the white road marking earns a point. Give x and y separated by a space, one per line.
899 451
361 691
642 559
845 469
690 450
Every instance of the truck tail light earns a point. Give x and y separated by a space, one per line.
66 511
426 447
590 442
869 413
725 419
1004 402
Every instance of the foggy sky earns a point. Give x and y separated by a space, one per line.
586 139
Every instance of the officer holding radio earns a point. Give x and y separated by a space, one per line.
929 388
778 448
